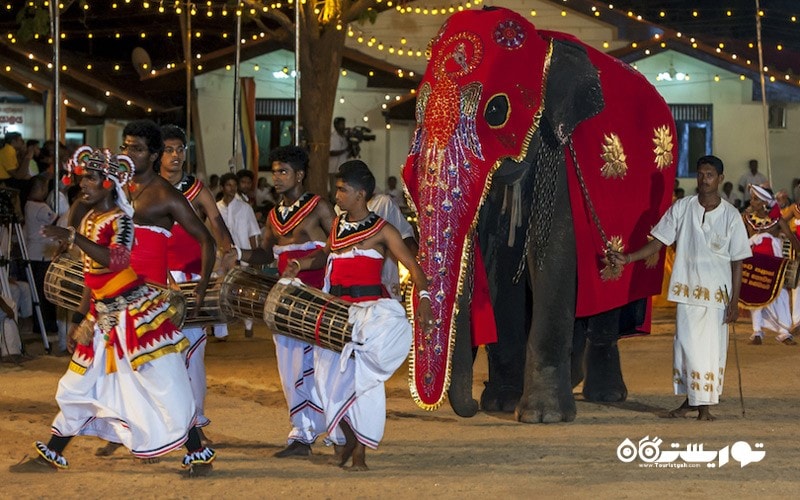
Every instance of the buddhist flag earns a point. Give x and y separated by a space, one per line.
247 125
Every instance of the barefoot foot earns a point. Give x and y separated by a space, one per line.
682 410
107 450
203 438
359 459
341 454
704 414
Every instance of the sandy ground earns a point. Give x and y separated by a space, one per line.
437 454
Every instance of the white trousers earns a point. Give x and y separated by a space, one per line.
777 317
296 369
196 368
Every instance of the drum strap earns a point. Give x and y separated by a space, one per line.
319 322
356 291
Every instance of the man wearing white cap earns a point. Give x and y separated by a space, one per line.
766 230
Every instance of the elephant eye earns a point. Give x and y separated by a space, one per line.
497 110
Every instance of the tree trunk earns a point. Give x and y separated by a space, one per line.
320 63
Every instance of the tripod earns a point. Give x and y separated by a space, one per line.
10 228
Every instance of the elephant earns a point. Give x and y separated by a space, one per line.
534 154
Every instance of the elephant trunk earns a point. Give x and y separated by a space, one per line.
460 392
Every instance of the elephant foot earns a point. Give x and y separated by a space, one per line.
500 399
603 383
547 398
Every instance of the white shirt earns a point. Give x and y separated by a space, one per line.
38 215
338 142
264 196
748 179
63 203
241 222
397 196
732 198
707 243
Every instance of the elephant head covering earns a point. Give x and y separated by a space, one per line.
491 84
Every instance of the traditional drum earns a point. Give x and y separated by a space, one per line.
209 313
63 286
791 278
308 314
63 282
244 292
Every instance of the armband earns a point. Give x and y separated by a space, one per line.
424 294
77 317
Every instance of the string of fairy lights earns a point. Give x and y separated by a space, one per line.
396 49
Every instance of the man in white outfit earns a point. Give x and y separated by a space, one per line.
711 243
241 221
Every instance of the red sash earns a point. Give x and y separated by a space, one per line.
149 255
184 253
359 270
311 277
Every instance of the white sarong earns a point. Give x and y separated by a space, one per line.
700 350
195 357
352 388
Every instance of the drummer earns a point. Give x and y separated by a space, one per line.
296 227
766 230
184 256
355 251
157 207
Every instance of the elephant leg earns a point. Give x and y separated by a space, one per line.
578 348
460 391
506 357
547 395
603 381
511 305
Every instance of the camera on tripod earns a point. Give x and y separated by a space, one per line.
355 136
10 209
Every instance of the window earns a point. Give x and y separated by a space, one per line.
274 127
777 116
694 124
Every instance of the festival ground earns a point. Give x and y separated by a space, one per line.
437 454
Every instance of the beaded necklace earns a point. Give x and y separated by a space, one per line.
760 223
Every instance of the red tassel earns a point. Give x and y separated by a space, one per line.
78 170
66 180
131 187
107 184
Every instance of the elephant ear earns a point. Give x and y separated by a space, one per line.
573 90
619 164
